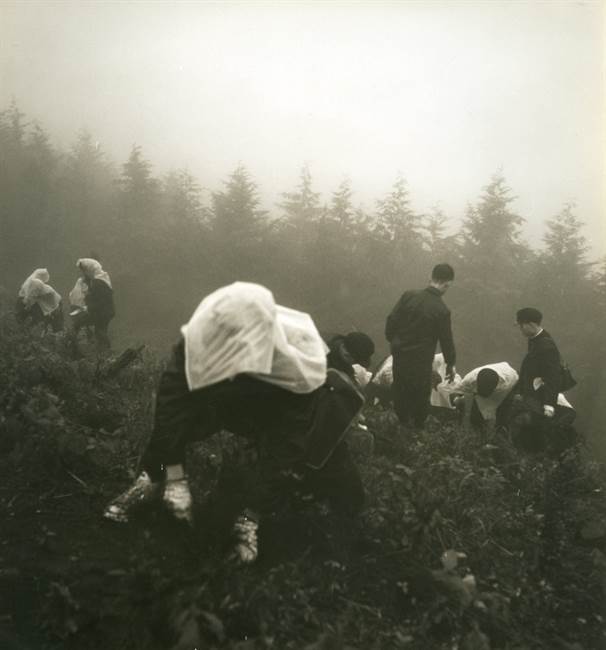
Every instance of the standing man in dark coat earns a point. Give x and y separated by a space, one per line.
541 416
418 321
542 360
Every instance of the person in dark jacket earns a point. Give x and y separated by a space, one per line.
294 410
99 301
345 352
538 408
542 360
419 320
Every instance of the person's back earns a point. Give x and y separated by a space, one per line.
100 301
39 302
417 322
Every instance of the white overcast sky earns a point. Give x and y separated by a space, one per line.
446 93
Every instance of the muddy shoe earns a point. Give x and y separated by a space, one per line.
177 499
141 491
247 545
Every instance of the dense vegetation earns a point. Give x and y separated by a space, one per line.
462 544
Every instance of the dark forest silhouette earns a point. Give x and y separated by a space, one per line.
165 249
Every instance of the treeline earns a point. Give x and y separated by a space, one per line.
165 248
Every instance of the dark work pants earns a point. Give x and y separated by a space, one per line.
412 386
246 407
83 319
531 431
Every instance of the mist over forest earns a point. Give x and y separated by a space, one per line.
166 248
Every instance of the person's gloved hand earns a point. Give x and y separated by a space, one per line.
548 411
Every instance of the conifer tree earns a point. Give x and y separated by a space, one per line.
238 227
301 207
235 213
439 245
395 220
492 270
566 246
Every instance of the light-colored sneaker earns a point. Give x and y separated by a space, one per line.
141 491
177 499
246 549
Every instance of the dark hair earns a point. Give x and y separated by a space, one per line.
486 381
529 315
442 273
360 346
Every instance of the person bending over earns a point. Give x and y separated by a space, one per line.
258 370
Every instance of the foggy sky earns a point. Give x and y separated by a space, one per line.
444 93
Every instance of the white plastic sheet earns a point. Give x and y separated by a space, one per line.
35 290
439 397
240 329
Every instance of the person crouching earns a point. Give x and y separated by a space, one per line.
258 370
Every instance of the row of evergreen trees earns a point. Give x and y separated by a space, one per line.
166 247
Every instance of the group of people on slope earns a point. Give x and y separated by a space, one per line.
492 394
91 302
262 371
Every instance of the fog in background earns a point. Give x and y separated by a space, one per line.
444 93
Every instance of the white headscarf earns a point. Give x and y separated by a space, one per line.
240 329
93 270
35 290
38 274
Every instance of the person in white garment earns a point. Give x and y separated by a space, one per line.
37 302
380 385
484 394
441 387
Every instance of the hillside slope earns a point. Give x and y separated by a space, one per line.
461 545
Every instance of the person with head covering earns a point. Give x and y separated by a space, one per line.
418 321
258 370
484 394
37 302
94 298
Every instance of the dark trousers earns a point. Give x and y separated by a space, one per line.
502 413
84 319
412 386
271 417
531 431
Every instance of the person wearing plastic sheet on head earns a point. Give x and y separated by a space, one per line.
352 354
258 370
537 407
94 298
37 302
485 395
420 320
